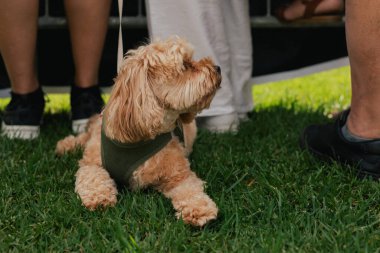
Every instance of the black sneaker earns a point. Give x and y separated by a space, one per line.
328 143
23 115
85 102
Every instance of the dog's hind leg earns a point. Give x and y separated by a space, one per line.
71 142
95 187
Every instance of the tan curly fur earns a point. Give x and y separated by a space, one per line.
158 86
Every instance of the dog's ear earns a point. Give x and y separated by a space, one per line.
132 113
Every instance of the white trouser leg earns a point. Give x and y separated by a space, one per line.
238 30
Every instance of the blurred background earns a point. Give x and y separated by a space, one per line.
277 46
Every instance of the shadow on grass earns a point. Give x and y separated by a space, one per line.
267 139
268 192
269 133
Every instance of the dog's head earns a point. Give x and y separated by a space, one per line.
157 84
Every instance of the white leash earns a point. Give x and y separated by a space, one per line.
120 43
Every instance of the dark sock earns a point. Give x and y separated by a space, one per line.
37 92
77 89
350 136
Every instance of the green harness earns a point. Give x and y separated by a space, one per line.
122 159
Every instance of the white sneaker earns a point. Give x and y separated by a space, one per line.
79 126
228 123
20 132
243 117
22 116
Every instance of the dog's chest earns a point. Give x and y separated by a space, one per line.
122 159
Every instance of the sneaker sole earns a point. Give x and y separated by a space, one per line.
222 129
220 123
20 132
79 125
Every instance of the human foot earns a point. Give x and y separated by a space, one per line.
301 9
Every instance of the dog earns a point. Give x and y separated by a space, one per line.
159 89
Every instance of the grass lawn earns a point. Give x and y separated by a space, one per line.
272 196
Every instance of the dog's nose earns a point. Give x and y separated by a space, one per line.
217 68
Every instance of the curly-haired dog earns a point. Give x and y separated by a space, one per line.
159 87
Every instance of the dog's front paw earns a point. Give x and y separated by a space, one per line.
94 200
95 187
196 211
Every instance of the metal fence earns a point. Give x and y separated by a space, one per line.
137 19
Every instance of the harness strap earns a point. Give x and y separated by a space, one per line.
122 159
120 52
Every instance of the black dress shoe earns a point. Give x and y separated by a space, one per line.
328 143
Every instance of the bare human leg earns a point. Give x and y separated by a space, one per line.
18 33
354 138
362 19
302 8
88 22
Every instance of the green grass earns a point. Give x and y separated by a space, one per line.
272 196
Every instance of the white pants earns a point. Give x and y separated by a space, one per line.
216 28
